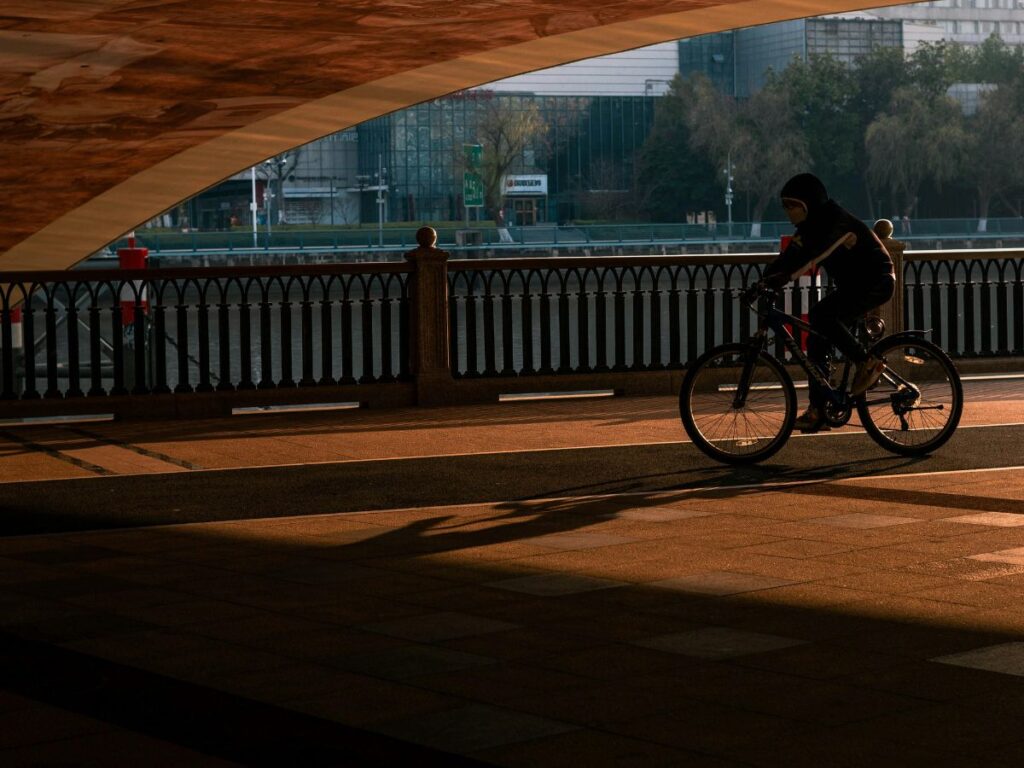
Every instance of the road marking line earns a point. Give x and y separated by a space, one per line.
834 433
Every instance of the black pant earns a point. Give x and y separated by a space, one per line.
832 317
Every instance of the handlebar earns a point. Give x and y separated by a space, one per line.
757 291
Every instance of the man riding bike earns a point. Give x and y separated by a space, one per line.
860 268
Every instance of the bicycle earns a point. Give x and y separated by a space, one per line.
738 402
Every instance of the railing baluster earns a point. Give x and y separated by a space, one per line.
583 324
954 320
453 329
7 348
675 341
619 320
526 310
546 367
224 341
657 299
564 360
471 332
117 341
710 314
637 321
306 313
140 386
970 324
266 358
508 367
1002 313
387 372
601 321
285 314
1018 315
28 326
347 376
245 380
490 342
95 359
52 386
369 375
181 309
326 338
203 340
159 339
403 330
692 353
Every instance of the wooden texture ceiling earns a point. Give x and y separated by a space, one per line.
112 111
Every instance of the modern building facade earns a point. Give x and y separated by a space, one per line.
407 166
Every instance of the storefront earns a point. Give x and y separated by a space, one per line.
526 199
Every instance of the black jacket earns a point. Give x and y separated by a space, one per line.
859 267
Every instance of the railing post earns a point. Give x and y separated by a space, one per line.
892 311
429 347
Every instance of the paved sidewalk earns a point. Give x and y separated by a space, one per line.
846 622
58 451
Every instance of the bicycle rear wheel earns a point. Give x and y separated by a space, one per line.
915 407
737 430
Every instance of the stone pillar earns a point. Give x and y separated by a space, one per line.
892 311
430 356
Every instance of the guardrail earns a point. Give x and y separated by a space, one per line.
402 238
430 330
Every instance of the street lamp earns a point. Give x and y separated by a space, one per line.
381 200
728 191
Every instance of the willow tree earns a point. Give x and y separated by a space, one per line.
507 126
920 139
760 135
995 151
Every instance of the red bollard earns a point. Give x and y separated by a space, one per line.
132 258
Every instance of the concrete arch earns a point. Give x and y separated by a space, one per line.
81 194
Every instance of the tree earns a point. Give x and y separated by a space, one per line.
759 135
672 178
506 127
995 150
921 138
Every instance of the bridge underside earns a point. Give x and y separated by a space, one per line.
115 110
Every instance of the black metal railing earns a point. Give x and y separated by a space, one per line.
116 332
591 315
972 302
105 333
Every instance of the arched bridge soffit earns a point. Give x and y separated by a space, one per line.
116 110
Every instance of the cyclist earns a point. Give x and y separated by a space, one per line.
860 268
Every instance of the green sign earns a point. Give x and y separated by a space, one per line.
474 154
472 189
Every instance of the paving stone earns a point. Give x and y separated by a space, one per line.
1007 658
433 627
474 727
555 584
863 520
998 519
718 643
580 540
660 514
720 583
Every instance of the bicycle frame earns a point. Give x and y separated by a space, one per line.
780 322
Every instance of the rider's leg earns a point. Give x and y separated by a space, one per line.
833 316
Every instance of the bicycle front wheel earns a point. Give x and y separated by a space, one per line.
738 404
915 407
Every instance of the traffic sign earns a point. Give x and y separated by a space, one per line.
472 189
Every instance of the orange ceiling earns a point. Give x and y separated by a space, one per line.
112 111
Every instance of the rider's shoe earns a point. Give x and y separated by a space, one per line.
812 420
867 374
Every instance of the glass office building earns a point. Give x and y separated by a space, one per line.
738 61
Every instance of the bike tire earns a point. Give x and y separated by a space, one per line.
704 374
886 349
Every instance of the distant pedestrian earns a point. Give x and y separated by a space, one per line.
905 225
